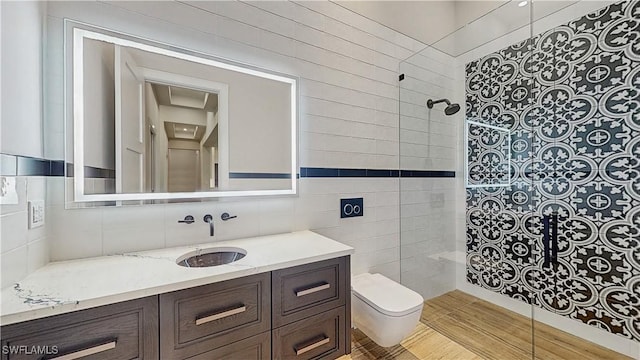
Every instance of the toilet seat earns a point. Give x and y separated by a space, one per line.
385 295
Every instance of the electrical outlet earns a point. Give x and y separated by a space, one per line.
351 207
36 213
8 194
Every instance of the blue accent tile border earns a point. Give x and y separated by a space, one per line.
99 173
32 167
308 172
91 172
8 165
16 165
57 168
428 173
250 175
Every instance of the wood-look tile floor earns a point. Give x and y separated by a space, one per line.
459 326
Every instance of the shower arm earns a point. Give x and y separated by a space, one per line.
430 102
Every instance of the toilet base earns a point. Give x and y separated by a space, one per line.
384 331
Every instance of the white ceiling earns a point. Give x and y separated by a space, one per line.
180 97
456 27
425 21
171 95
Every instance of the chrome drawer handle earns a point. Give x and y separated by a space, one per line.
218 316
325 340
86 352
313 289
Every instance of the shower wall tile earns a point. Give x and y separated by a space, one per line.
569 98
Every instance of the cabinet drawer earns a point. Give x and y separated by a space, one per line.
318 337
307 290
196 320
257 347
127 330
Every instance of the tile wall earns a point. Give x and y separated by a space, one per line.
580 161
22 250
348 69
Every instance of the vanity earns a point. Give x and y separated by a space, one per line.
288 298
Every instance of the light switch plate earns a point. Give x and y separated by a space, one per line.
36 213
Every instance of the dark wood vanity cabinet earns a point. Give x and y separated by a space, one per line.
126 330
301 312
321 336
199 319
257 347
311 310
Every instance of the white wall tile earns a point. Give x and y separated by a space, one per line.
36 188
14 266
13 231
132 228
29 245
75 233
37 254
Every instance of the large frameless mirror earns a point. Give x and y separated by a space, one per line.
151 121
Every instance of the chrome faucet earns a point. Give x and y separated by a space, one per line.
209 219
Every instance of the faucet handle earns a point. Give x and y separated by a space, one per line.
187 220
226 216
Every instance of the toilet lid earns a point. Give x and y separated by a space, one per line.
385 295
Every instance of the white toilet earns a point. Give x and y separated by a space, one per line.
383 309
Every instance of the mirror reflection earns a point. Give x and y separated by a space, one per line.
182 154
153 123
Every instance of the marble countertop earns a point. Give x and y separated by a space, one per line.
65 286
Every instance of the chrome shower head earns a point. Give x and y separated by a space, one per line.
449 110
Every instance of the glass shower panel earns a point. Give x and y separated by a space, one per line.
467 240
501 221
544 231
428 142
587 173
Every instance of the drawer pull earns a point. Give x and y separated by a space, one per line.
220 315
86 352
313 289
302 350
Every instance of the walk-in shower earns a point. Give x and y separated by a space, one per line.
542 242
